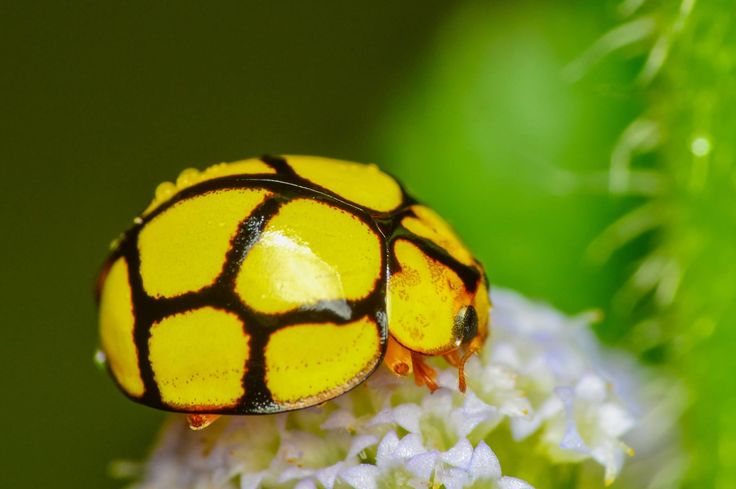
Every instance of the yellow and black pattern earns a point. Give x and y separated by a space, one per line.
269 285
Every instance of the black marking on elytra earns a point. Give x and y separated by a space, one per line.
285 186
142 310
406 200
393 228
279 165
256 394
470 276
248 233
257 398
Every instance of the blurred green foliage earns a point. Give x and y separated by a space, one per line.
479 107
692 100
493 135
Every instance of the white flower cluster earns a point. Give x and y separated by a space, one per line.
540 388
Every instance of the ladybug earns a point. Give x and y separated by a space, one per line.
273 284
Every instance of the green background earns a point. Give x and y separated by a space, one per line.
467 102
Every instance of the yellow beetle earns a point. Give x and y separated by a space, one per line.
273 284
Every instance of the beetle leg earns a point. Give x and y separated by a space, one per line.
453 358
201 421
423 373
473 347
398 358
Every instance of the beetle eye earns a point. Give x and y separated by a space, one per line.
466 324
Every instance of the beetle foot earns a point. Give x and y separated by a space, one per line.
423 373
201 421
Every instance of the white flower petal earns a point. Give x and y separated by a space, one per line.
521 428
422 465
294 473
439 402
328 475
360 443
251 481
452 478
407 416
305 484
447 379
383 417
506 354
614 419
409 446
459 455
571 440
513 483
464 422
340 419
484 464
591 388
362 476
386 449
